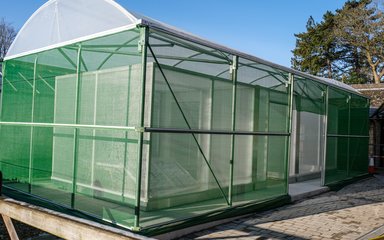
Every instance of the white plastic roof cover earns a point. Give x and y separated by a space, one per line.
60 21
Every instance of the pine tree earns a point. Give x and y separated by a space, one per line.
347 45
316 50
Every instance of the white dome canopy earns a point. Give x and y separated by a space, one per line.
59 21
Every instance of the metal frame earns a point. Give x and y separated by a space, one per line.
182 35
76 130
288 146
50 125
125 134
213 132
30 174
349 129
233 70
2 89
347 136
325 122
143 46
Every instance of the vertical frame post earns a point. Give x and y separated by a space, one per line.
349 100
126 134
296 135
233 71
76 130
266 137
325 134
144 32
288 146
3 64
205 173
30 167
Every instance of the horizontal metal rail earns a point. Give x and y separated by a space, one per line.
216 132
146 129
35 124
347 136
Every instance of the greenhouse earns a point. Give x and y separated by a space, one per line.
117 117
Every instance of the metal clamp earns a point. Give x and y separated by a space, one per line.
139 129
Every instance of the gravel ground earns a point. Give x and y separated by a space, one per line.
25 232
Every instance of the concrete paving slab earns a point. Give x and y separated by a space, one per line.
301 190
350 213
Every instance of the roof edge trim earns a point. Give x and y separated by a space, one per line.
123 10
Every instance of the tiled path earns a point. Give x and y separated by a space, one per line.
347 214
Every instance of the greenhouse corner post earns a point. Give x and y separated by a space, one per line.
233 68
76 130
30 170
291 80
325 121
144 32
349 100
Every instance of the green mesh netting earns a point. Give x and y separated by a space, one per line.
212 139
347 141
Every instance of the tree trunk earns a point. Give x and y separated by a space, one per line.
329 68
373 66
376 77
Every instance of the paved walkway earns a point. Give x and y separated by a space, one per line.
350 213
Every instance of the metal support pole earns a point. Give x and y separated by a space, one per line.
30 167
296 130
289 140
1 106
1 183
63 125
126 135
233 71
76 130
325 134
348 139
143 42
205 174
2 89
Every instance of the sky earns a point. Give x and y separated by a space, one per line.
263 28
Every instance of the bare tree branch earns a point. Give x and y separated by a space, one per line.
7 35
